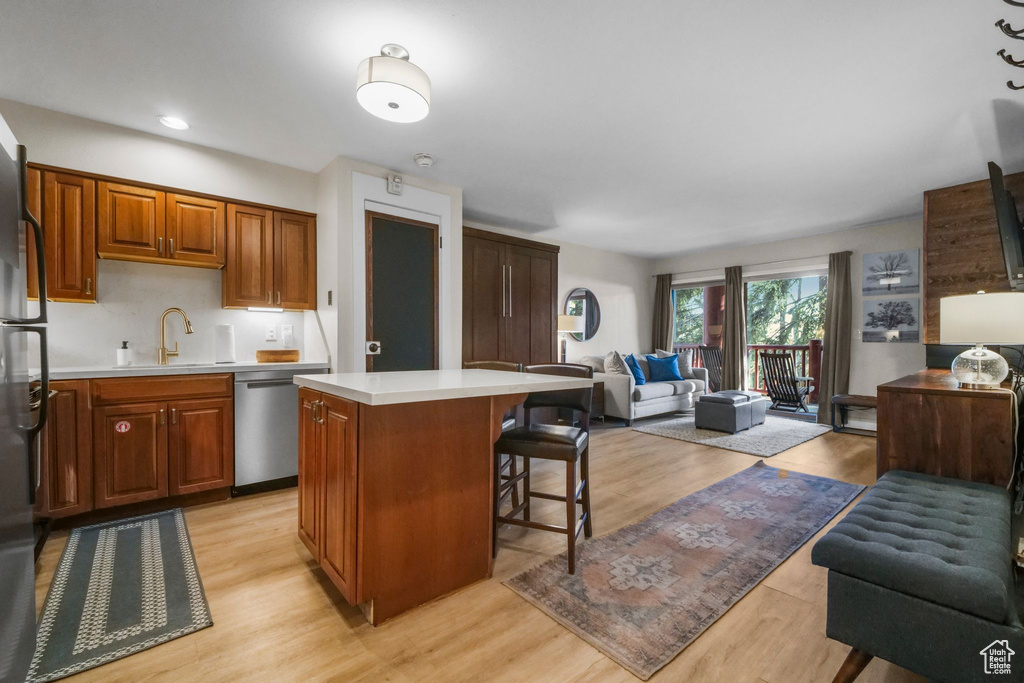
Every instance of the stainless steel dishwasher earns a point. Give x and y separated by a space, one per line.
267 429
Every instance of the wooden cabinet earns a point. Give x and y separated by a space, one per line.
509 298
66 452
271 259
160 436
35 206
69 233
328 448
144 224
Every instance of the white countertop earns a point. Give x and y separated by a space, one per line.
386 388
98 371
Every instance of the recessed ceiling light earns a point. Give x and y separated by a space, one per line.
393 88
173 122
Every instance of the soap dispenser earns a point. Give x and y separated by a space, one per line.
124 355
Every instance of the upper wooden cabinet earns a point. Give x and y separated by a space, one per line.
143 224
271 259
69 233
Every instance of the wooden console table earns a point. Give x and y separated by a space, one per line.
926 423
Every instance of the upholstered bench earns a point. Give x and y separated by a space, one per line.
921 574
730 411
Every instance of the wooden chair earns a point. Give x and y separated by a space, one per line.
785 389
505 467
563 443
711 358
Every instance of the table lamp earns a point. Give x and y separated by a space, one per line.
568 324
981 319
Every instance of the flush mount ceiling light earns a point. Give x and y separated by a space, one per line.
423 159
173 122
393 88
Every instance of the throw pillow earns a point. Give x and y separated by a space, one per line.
595 362
615 364
664 369
634 367
685 362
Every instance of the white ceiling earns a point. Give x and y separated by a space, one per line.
650 127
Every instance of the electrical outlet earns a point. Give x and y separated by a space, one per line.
271 333
287 330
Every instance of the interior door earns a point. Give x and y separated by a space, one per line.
401 293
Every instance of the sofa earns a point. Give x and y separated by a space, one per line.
627 401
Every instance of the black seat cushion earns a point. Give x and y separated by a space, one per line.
551 442
942 540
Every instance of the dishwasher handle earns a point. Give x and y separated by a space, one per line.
262 383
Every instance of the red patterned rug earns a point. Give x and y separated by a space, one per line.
643 593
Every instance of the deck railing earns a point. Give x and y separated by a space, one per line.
806 360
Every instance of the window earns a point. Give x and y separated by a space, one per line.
688 305
787 312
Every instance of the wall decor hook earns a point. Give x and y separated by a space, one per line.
1011 86
1010 60
1008 30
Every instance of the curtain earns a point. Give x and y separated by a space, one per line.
734 332
835 357
662 333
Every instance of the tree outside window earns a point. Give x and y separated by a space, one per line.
689 314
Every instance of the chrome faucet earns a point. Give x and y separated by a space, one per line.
164 353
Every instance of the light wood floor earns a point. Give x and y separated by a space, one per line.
277 617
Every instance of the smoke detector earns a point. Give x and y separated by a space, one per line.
423 160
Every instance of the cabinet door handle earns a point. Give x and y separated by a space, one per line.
174 416
160 245
170 244
88 285
270 300
279 298
510 291
503 293
163 417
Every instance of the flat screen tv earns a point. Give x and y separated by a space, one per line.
1010 228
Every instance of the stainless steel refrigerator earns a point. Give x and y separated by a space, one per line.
19 423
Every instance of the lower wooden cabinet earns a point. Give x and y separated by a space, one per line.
66 452
201 440
131 453
328 448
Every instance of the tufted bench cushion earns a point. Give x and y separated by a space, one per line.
942 540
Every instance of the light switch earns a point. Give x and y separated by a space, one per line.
271 333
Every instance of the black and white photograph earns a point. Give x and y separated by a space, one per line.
891 273
891 320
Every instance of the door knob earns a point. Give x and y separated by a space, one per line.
372 348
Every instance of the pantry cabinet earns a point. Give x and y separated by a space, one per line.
271 259
328 449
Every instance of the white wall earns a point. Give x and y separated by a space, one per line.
622 284
871 363
133 295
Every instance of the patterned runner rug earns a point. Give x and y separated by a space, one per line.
120 587
643 593
777 434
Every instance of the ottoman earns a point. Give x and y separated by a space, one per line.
730 411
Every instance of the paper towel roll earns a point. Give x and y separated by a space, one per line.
224 343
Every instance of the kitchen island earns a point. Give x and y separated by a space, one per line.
396 478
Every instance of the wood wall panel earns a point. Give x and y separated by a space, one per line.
962 249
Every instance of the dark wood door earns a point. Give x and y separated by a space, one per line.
249 270
35 207
401 293
484 299
530 326
294 261
67 452
69 227
196 230
339 444
129 453
201 445
132 223
310 474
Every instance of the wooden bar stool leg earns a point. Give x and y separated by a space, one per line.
495 506
570 512
512 474
588 529
526 488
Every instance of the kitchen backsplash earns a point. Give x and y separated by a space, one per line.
132 296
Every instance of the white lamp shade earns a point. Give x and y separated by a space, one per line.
571 323
393 89
982 319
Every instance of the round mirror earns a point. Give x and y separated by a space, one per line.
582 302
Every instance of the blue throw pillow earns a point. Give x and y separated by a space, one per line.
634 367
664 369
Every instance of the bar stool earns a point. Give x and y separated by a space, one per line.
504 465
563 443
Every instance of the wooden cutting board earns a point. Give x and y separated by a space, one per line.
277 356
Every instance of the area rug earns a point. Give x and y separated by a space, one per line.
643 593
120 587
777 434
